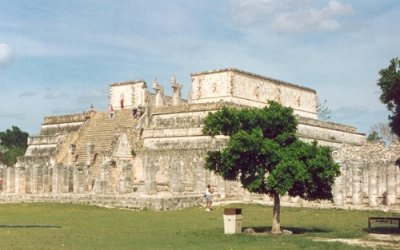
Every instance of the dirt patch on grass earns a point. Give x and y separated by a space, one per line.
387 241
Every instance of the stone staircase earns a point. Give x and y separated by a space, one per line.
62 153
101 131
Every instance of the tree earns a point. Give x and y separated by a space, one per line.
264 152
14 137
373 137
13 143
323 112
382 131
389 82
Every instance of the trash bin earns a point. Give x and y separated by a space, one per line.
233 220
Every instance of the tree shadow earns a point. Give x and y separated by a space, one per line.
294 230
28 226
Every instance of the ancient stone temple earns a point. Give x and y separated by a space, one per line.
148 151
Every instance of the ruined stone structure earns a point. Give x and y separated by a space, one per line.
151 152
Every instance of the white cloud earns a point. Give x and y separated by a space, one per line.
312 20
6 55
289 16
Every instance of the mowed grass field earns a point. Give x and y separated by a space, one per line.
67 226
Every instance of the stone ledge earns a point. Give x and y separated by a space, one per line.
66 118
137 201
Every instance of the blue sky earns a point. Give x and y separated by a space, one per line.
58 57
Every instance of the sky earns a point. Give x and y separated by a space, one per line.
59 57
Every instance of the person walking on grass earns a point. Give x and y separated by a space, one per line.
209 197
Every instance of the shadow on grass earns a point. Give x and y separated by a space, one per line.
28 226
382 230
294 230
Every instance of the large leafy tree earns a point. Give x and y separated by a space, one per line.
13 143
265 154
389 82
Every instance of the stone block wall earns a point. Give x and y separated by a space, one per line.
327 133
244 88
55 125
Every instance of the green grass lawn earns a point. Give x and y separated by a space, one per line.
66 226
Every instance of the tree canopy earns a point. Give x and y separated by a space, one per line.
13 143
264 152
389 82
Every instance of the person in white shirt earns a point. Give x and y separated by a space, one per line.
209 197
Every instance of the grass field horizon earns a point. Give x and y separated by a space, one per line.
68 226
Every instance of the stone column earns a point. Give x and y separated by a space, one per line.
103 183
75 180
71 152
40 184
89 153
67 179
200 183
373 184
159 100
28 178
347 182
177 90
365 185
391 184
57 178
34 179
45 178
20 179
176 178
10 184
125 181
338 191
357 180
150 185
381 179
86 180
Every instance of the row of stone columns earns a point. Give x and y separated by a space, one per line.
38 178
183 170
379 182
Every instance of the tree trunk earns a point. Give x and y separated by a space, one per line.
276 216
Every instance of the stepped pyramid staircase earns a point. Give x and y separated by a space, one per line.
102 132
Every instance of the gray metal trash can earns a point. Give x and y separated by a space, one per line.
233 220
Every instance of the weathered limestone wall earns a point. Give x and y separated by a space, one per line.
55 125
244 88
188 122
128 94
176 171
328 133
135 94
369 175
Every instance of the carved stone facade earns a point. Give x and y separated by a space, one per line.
244 88
154 157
